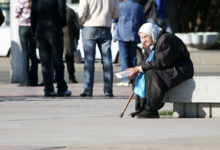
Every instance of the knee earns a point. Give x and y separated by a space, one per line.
89 58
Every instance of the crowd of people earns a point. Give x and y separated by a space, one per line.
53 28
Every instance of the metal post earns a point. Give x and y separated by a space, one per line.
16 52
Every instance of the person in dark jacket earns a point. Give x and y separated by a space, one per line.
171 66
150 11
2 18
47 20
71 37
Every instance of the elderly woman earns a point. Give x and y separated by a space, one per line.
170 66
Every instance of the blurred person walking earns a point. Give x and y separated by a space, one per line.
29 75
126 32
150 11
47 19
2 18
71 37
95 16
162 19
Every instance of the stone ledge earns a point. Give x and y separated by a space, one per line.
196 90
196 98
196 110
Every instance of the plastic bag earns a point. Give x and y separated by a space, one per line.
77 56
139 88
140 85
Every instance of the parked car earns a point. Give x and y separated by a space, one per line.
5 39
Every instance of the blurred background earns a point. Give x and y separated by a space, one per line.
196 22
184 15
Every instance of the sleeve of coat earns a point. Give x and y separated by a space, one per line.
147 8
164 56
76 26
62 11
82 11
116 13
2 18
142 19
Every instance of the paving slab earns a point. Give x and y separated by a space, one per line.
30 121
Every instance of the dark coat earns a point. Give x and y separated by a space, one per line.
150 9
48 14
70 32
172 65
2 18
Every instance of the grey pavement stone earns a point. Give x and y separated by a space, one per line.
73 148
30 121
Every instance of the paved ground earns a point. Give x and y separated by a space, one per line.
206 63
29 121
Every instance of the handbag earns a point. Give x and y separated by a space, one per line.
77 56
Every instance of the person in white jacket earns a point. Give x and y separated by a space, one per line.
96 16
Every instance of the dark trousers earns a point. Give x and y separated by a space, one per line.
51 42
155 93
70 67
127 53
29 74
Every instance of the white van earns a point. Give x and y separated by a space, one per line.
5 39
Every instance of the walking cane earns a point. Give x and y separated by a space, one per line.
122 113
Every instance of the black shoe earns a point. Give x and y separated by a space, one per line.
52 94
66 93
109 95
73 81
134 113
147 114
85 95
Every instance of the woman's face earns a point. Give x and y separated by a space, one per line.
146 39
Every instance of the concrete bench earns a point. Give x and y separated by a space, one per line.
196 98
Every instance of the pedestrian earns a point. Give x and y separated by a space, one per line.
162 19
150 11
126 32
29 76
167 63
95 16
48 19
71 37
2 18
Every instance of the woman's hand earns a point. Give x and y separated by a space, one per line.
134 72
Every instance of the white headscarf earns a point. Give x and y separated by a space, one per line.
151 30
